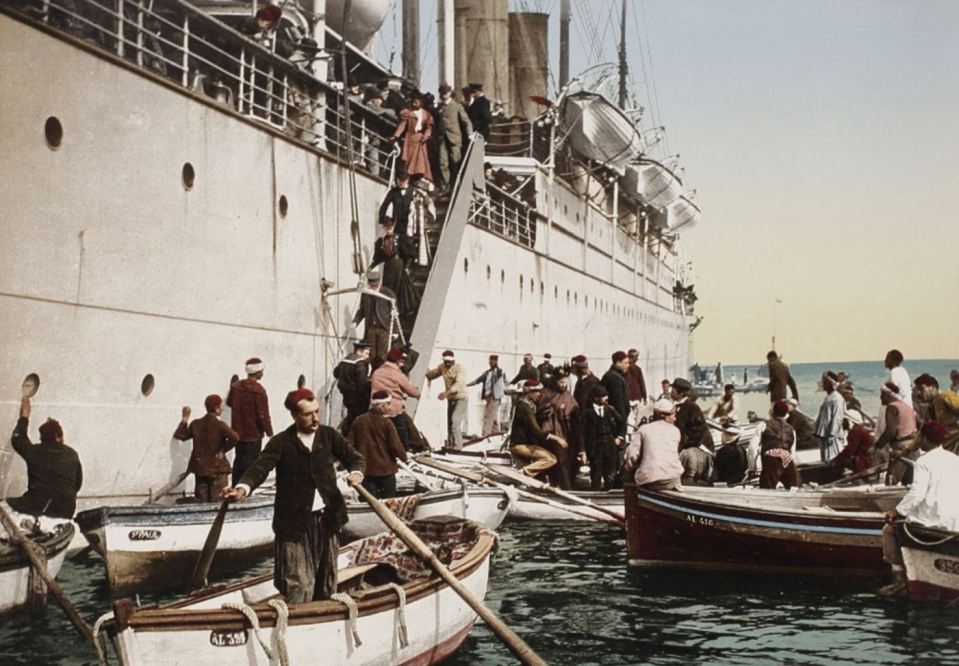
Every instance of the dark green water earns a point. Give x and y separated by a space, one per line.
565 589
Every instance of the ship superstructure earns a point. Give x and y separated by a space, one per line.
181 196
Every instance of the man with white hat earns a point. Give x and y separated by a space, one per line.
654 450
250 416
375 437
455 395
897 432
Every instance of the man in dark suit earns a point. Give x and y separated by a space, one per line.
397 204
54 473
307 541
479 111
689 417
614 381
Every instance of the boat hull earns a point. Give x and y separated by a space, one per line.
703 531
15 568
158 546
527 509
931 559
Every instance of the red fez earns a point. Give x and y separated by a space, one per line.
619 356
395 355
934 431
448 354
531 385
293 398
380 397
50 430
780 408
925 379
270 13
212 402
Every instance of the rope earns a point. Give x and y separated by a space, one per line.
400 615
254 621
99 644
279 632
348 601
938 542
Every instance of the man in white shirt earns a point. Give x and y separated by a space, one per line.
932 500
898 375
654 451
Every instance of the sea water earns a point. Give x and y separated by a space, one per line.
565 588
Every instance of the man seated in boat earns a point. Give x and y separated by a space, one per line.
932 500
54 472
527 441
212 438
374 436
777 445
654 450
307 536
726 406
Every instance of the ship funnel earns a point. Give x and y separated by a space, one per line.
529 62
482 46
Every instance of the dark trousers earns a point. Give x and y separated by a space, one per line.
246 455
381 487
207 488
774 472
402 430
347 421
304 569
602 465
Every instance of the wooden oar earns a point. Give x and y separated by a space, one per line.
521 478
198 579
881 467
516 644
40 567
167 488
482 480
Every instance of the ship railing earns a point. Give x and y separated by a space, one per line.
176 41
519 137
505 215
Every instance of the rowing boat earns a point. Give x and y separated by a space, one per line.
419 621
156 546
836 531
931 560
485 506
16 575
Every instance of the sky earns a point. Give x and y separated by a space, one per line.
822 140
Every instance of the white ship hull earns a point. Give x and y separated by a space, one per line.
114 271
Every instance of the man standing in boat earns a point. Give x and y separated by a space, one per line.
932 500
54 472
307 540
777 444
897 431
493 382
602 425
212 438
779 379
696 443
374 436
828 426
454 393
390 377
635 384
527 371
250 417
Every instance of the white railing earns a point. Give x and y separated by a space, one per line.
504 215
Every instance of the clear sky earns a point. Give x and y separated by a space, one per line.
822 138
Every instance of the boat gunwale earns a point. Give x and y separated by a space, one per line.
52 544
176 617
435 497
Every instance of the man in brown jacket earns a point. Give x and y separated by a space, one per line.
212 438
250 417
374 436
779 379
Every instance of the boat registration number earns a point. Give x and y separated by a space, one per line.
228 638
144 535
947 566
699 520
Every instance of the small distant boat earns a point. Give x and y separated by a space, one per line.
819 532
15 570
485 506
421 621
155 546
931 558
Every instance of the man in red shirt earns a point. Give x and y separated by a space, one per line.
250 417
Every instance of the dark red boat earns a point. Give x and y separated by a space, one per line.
820 532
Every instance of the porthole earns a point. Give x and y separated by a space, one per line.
53 131
284 205
301 381
189 176
466 265
146 386
31 384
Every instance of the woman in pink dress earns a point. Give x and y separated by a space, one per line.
417 123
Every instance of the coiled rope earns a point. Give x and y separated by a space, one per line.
350 604
279 632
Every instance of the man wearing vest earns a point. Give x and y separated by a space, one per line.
777 445
898 431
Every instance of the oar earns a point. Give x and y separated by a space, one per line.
167 488
421 478
516 644
522 479
198 579
40 567
858 475
482 480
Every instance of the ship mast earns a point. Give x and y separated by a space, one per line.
445 18
564 18
622 55
411 41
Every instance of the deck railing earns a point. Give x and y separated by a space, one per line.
505 215
184 45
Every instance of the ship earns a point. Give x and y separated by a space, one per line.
181 194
